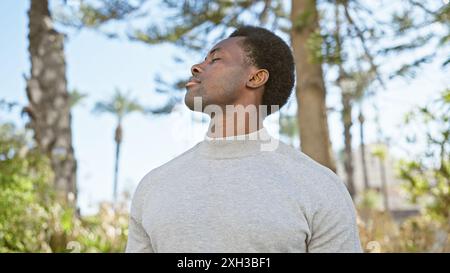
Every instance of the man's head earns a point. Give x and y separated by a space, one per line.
251 66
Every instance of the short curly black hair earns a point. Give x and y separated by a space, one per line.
266 50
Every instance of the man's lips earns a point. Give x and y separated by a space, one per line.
192 81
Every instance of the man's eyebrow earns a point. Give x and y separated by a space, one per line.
213 51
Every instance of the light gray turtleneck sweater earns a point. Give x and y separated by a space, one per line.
242 195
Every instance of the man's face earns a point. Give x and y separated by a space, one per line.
221 77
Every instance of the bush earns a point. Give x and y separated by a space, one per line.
427 183
30 218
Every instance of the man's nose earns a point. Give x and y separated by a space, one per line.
196 69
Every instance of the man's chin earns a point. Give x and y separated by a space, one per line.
196 105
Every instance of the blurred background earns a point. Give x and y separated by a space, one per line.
91 99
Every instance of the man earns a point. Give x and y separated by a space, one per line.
240 190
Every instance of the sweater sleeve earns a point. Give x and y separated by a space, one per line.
138 239
334 227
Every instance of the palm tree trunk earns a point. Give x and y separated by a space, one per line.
49 106
348 161
118 140
363 151
310 89
346 108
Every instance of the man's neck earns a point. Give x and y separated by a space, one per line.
233 124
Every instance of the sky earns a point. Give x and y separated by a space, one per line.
97 65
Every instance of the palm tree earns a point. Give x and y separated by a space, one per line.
76 97
361 120
348 86
363 81
48 97
120 106
354 86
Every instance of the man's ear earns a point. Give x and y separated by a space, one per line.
258 78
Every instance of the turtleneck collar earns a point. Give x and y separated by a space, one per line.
236 146
252 135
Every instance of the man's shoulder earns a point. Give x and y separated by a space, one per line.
315 182
301 162
310 175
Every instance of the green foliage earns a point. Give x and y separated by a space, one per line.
184 23
303 20
370 199
315 45
288 126
428 180
379 151
75 97
93 14
119 105
30 218
107 231
427 183
421 27
24 176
